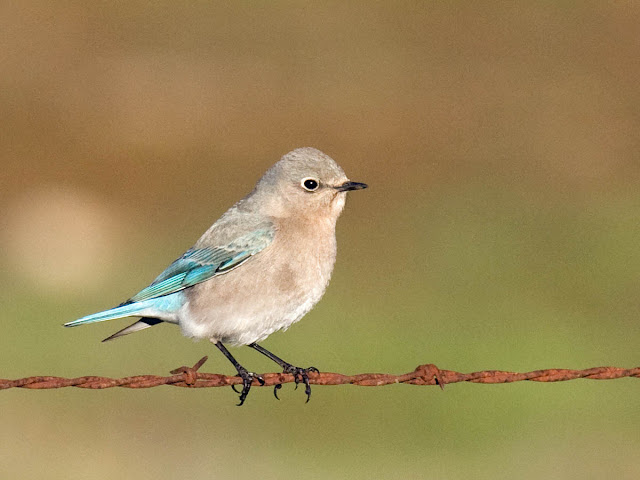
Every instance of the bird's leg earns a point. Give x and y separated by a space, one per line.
299 374
247 376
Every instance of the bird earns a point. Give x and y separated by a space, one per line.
263 265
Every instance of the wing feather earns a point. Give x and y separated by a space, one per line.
200 264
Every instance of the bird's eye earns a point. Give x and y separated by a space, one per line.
310 184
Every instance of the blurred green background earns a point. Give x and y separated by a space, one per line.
500 142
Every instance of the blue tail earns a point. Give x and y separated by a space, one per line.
163 308
133 309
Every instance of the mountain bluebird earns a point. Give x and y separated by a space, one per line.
260 268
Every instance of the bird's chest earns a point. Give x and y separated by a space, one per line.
302 260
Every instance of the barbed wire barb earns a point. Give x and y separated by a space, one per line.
427 374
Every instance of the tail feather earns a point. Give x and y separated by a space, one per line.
130 310
136 327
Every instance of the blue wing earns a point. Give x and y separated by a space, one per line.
196 265
200 264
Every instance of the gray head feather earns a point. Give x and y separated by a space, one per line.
303 182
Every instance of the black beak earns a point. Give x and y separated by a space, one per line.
345 187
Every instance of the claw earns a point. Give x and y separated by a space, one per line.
247 381
275 390
300 375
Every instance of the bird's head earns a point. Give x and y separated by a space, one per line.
305 182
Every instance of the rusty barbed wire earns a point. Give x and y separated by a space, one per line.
427 374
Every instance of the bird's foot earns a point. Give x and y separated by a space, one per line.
247 381
300 375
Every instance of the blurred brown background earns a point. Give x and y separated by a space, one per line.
500 142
